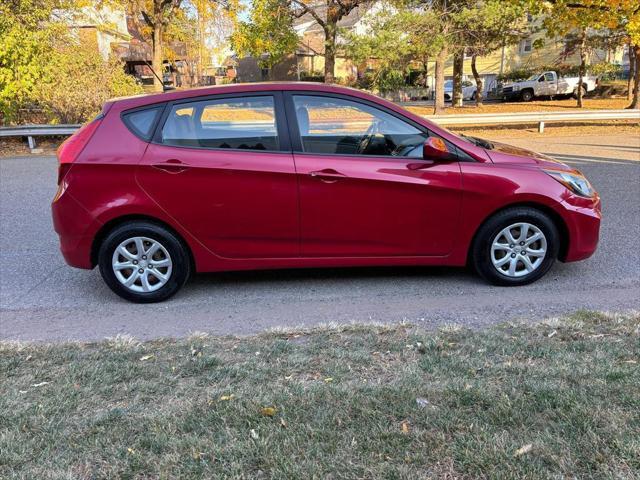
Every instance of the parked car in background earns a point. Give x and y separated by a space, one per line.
547 84
284 175
468 90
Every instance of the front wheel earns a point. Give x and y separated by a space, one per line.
515 247
143 262
526 95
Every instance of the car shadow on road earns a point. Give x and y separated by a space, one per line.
338 274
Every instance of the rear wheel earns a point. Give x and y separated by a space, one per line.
516 247
584 92
143 262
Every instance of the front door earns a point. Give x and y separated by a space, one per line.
365 189
221 169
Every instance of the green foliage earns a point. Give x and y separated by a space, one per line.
43 66
78 81
268 36
392 41
26 41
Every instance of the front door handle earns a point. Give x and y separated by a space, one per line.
172 165
328 175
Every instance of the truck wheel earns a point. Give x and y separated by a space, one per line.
526 95
584 92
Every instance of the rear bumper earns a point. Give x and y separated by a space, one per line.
76 229
583 223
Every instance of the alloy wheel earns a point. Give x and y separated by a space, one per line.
142 264
518 249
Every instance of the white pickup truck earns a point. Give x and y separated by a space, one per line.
546 84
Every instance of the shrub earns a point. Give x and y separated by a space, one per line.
78 81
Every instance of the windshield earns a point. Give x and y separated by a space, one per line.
533 77
479 142
448 84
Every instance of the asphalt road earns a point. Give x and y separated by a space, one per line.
43 299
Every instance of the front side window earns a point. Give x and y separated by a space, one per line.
239 123
337 126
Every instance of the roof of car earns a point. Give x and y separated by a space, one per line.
148 99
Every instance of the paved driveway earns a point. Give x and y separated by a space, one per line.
43 299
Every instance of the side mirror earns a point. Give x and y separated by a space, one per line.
435 149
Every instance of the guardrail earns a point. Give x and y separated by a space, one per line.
32 131
534 117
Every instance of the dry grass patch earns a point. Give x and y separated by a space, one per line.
558 399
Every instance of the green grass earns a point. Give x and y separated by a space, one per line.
350 402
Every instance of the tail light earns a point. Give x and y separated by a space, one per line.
72 146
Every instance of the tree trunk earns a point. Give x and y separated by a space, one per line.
632 70
438 103
635 102
330 31
156 64
583 64
478 79
458 66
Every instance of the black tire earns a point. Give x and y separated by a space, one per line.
584 92
526 95
176 248
481 249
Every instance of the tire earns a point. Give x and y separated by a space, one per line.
172 257
526 95
575 92
483 254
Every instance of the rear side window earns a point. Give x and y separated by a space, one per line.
238 123
141 122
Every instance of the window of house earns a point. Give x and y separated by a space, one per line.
526 45
338 126
239 123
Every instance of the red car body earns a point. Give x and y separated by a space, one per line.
239 209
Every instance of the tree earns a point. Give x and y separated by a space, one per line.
268 36
392 41
583 17
326 15
487 26
28 34
156 15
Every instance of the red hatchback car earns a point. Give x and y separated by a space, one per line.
283 175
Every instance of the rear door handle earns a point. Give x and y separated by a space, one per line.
172 165
328 175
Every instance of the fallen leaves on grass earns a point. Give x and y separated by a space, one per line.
226 398
405 426
268 411
41 384
254 434
144 358
522 450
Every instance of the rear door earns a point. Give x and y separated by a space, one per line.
365 189
222 167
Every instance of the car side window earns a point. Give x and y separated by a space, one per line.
330 125
239 123
548 77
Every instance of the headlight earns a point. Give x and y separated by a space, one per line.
574 181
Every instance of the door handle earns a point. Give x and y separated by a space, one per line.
171 166
328 175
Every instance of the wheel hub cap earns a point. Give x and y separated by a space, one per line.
142 264
518 249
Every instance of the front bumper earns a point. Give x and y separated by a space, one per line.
582 217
